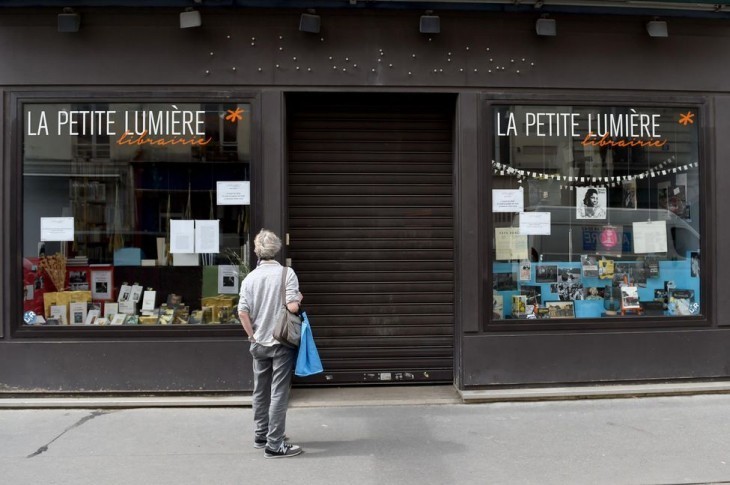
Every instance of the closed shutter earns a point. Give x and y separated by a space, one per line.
371 233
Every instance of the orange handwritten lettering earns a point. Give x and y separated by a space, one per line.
128 139
606 141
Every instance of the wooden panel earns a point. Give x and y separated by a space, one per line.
371 233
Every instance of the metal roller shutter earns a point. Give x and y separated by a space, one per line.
371 233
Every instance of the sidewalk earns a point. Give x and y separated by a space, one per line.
663 440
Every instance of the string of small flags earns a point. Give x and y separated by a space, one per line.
662 169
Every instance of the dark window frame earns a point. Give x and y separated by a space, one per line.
13 201
706 319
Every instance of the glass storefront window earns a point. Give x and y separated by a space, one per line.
135 213
595 212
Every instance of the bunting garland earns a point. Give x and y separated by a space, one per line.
664 168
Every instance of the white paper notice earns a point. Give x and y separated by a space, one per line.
57 228
507 200
509 244
535 223
182 236
233 193
207 236
650 237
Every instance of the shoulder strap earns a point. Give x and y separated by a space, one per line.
284 271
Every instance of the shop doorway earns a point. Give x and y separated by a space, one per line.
370 226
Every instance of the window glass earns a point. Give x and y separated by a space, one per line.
135 213
595 212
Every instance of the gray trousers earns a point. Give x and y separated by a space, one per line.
272 374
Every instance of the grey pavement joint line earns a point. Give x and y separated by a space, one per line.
78 423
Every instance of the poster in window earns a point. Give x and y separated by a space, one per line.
590 203
497 307
629 194
560 309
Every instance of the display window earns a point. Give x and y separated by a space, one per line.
134 214
596 213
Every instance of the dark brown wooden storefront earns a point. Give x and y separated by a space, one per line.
339 192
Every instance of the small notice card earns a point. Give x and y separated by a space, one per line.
507 200
233 193
182 236
509 244
650 237
535 223
57 228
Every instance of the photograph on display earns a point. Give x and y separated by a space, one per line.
546 273
505 282
633 273
78 280
694 264
595 292
590 202
497 307
629 194
589 265
610 240
560 309
568 291
533 294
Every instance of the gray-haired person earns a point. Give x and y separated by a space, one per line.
273 363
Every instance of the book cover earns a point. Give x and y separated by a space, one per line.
630 298
110 309
58 312
519 306
91 317
681 302
119 319
77 311
605 269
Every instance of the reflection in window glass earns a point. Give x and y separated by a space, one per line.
135 213
595 211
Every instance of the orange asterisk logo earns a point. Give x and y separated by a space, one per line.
686 118
234 116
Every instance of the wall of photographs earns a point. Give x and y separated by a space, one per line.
135 213
595 212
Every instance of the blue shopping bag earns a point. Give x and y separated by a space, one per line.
308 362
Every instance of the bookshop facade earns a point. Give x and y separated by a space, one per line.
482 208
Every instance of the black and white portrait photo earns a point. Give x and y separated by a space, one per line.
590 202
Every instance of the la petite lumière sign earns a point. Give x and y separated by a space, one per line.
161 128
622 130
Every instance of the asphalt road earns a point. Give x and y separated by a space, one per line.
666 440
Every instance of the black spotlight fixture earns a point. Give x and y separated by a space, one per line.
69 21
310 22
430 23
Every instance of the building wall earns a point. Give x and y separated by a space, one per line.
141 53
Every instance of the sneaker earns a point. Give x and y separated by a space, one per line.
285 450
261 442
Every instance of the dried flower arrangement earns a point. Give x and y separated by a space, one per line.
55 266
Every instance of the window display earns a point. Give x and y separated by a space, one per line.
135 213
598 211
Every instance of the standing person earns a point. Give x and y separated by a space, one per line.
259 308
